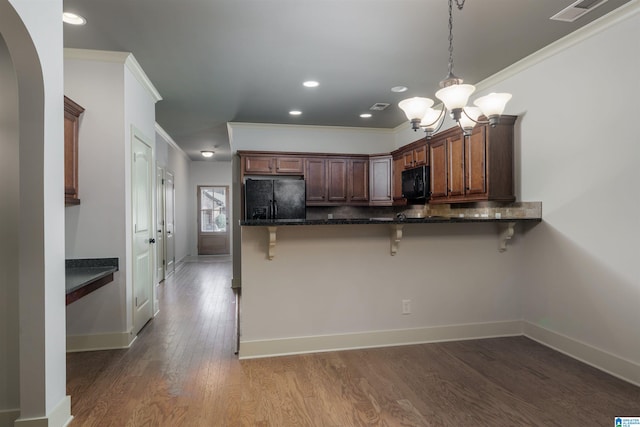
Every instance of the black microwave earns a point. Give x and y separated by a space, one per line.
415 184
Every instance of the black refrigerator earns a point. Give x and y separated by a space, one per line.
274 199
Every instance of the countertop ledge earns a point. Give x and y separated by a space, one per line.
390 220
86 275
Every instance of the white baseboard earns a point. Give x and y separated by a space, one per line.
624 369
316 344
59 417
111 341
8 416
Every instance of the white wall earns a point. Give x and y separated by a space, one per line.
115 103
96 227
205 173
580 153
317 139
9 238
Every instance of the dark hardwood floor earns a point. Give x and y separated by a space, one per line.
182 371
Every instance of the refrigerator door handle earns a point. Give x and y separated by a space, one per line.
275 209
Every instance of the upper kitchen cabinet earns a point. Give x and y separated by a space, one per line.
478 167
380 181
272 165
337 180
415 156
72 112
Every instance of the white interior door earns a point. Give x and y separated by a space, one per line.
160 229
169 215
143 231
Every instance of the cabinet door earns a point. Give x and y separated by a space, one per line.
420 156
337 180
358 174
455 166
408 160
289 165
398 167
316 180
438 156
475 161
380 181
72 112
258 165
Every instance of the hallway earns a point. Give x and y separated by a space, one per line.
180 364
182 371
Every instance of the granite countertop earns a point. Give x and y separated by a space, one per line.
83 272
382 220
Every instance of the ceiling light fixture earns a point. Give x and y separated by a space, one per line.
399 89
365 115
311 83
454 96
73 18
207 153
295 112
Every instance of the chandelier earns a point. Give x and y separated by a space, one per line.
454 96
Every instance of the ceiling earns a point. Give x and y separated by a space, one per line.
219 61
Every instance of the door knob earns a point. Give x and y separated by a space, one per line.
152 240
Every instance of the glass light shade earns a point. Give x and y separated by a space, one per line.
430 120
493 104
455 96
207 153
467 118
416 107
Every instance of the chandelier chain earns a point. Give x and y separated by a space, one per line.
460 5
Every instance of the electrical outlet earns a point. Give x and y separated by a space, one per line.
406 306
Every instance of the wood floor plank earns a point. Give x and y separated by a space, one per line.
182 371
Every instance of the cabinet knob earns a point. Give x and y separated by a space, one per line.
152 240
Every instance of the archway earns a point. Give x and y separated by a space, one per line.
33 38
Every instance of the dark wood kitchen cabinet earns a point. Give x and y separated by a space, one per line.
358 180
438 168
478 167
273 165
337 180
398 167
72 112
414 157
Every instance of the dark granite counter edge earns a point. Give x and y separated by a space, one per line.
83 276
357 221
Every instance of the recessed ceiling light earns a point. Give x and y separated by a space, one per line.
311 83
207 153
73 19
295 112
365 115
399 89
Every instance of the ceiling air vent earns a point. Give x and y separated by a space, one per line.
576 10
379 106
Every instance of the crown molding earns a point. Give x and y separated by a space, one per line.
125 58
164 135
